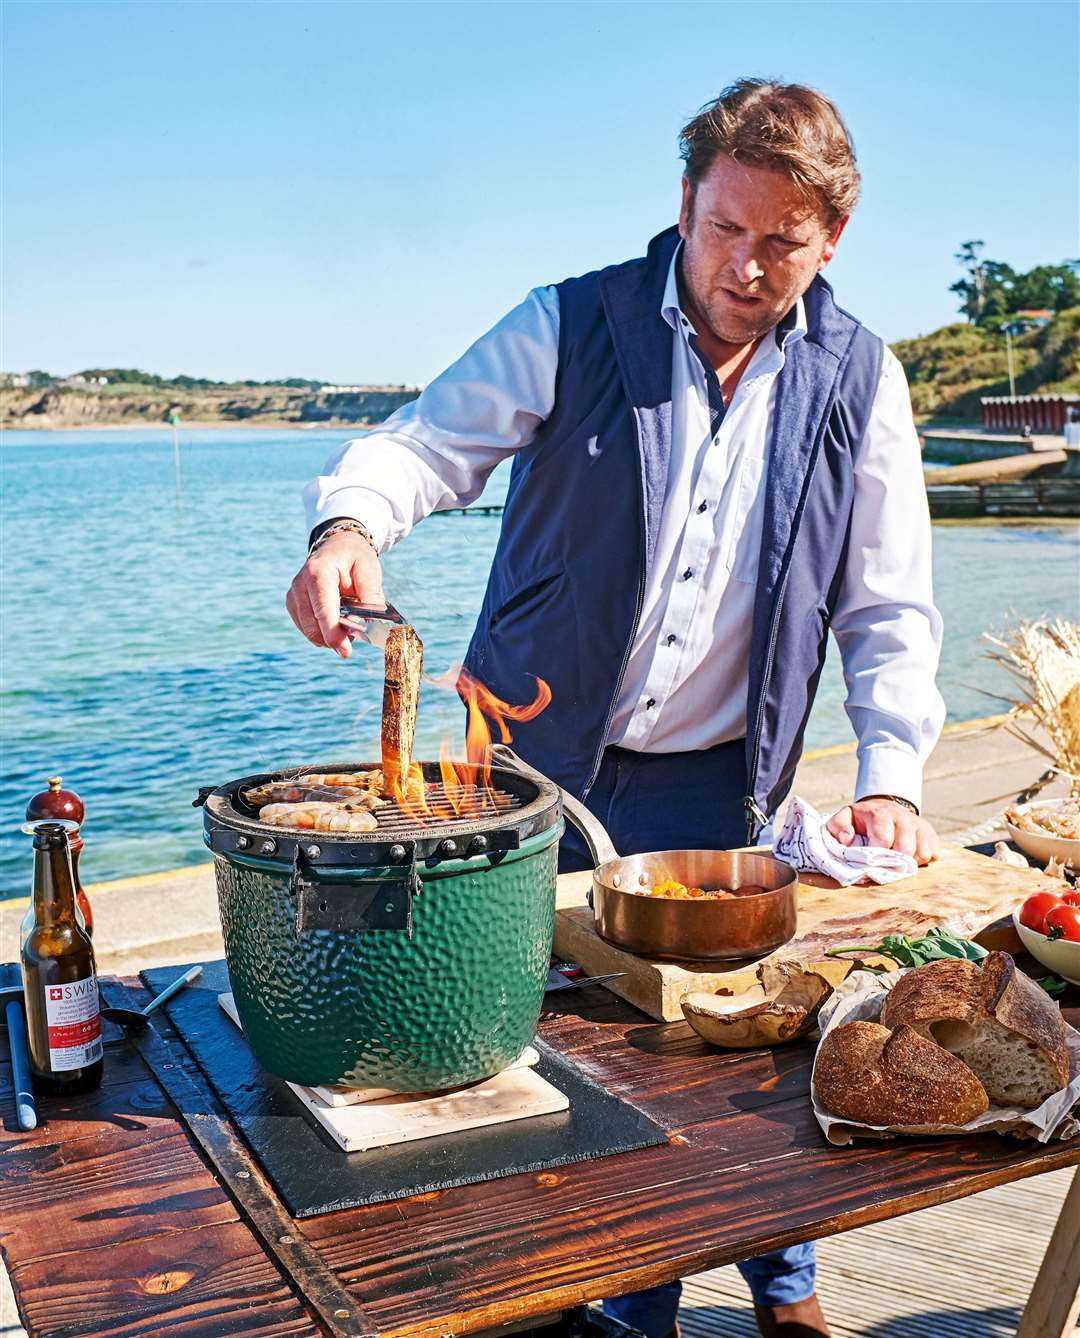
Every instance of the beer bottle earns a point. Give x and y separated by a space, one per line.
63 1019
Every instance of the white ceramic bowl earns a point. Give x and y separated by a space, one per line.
1044 846
1057 954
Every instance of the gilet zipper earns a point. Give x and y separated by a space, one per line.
756 820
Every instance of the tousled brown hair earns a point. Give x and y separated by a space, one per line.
786 128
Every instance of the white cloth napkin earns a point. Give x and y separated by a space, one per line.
805 843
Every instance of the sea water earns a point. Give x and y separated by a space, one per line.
146 650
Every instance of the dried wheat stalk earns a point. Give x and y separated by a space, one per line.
1044 659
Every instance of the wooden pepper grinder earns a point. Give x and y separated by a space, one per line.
57 803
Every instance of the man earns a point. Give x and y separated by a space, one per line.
713 464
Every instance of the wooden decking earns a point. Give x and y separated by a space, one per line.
961 1270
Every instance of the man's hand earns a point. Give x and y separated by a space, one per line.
346 564
885 823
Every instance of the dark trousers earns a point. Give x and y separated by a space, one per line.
682 801
665 801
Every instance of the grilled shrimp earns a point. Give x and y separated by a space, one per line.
320 817
291 792
351 780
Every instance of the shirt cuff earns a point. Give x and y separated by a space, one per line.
888 770
369 508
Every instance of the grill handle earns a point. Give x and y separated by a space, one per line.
354 905
601 847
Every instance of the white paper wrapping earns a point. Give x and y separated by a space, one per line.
861 998
806 843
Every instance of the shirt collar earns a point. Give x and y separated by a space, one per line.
790 327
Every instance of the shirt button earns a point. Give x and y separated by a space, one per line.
650 703
703 507
688 573
671 639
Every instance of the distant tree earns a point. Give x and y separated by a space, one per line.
40 378
1052 286
972 288
127 375
992 290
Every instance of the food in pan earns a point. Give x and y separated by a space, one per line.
875 1075
995 1019
347 818
671 887
1061 820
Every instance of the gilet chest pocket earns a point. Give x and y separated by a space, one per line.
744 548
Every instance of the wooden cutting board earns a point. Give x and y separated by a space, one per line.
961 890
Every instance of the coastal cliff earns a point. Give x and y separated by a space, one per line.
122 405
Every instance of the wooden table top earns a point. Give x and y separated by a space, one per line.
111 1223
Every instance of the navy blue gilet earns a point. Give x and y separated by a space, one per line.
583 512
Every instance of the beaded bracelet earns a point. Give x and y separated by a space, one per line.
344 526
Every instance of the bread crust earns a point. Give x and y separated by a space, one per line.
404 662
961 991
866 1072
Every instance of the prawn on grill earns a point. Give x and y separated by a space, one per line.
293 792
360 781
348 818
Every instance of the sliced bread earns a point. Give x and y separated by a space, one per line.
1007 1030
868 1073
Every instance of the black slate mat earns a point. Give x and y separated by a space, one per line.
313 1175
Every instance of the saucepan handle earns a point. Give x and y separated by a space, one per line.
591 828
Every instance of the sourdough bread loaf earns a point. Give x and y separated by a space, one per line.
866 1072
1003 1026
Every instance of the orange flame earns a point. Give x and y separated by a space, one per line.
411 797
466 785
483 707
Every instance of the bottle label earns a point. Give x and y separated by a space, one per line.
74 1021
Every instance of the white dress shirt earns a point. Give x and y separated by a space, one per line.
685 684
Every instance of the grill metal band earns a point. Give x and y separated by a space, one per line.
453 823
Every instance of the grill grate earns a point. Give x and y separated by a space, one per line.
446 806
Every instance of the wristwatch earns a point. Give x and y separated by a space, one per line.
893 798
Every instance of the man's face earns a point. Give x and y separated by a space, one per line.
752 246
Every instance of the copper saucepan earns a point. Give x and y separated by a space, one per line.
671 928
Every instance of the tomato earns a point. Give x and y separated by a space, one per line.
1072 897
1063 922
1034 911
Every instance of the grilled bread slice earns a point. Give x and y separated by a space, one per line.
404 659
997 1020
868 1073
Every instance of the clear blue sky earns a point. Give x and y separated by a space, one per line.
355 191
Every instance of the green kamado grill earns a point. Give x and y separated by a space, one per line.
413 957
